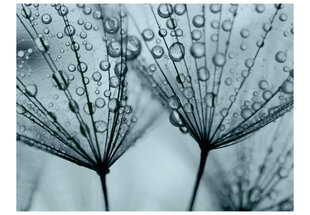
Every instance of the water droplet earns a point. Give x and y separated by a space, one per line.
283 17
46 18
148 34
101 126
100 102
120 69
61 80
219 59
173 102
179 9
133 47
162 32
165 10
198 21
80 91
114 49
20 109
280 57
69 30
42 44
260 8
215 8
196 35
245 113
96 76
175 119
249 63
73 106
157 51
111 25
188 92
245 33
31 90
197 50
203 74
227 25
287 87
267 94
180 78
114 82
113 105
263 84
104 65
89 108
171 23
228 81
176 52
82 67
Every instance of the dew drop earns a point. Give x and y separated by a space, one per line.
111 25
179 9
114 49
157 51
120 69
148 34
263 84
245 113
46 18
114 82
104 65
260 8
173 102
96 76
176 52
219 59
100 102
73 106
198 21
203 74
188 92
31 90
280 57
165 10
101 126
196 35
113 105
175 119
197 50
287 87
89 108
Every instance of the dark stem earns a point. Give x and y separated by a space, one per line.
104 189
203 159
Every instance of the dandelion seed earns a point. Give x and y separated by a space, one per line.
81 126
260 179
212 38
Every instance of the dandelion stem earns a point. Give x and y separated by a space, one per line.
104 189
203 159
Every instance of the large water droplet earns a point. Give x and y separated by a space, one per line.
101 126
287 87
198 21
114 49
176 52
219 59
175 119
165 10
111 25
197 50
203 74
173 102
157 51
31 90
